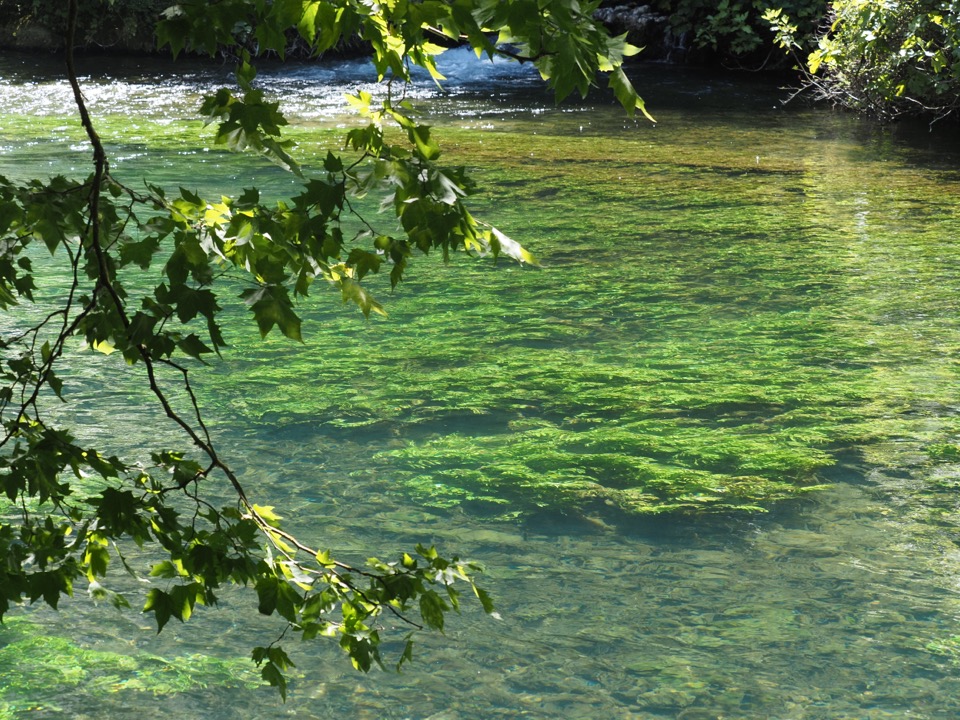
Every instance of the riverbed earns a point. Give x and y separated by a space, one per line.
757 300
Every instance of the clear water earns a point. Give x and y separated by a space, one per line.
742 289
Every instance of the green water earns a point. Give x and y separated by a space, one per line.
742 307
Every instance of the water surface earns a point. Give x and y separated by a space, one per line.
741 291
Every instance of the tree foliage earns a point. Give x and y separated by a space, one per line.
148 269
734 29
128 24
883 58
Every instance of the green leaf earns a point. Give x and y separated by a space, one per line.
273 661
501 244
246 73
352 291
139 253
183 598
485 600
271 306
193 346
49 585
275 677
432 609
407 654
96 558
161 605
627 95
266 513
427 147
167 569
430 553
267 590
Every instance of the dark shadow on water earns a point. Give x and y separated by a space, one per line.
723 529
680 529
850 467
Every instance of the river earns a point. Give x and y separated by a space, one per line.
745 295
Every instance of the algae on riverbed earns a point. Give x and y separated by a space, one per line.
708 331
697 345
732 310
31 659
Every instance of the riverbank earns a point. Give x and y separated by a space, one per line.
126 27
667 31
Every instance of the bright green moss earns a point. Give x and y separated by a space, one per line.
710 327
31 660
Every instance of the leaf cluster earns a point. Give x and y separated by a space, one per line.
736 29
127 24
883 59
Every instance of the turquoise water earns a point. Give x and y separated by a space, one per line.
742 290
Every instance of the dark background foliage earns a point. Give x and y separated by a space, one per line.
126 26
694 31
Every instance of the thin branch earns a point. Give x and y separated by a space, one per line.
107 291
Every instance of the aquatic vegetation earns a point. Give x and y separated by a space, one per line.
31 659
683 350
722 365
732 311
947 648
